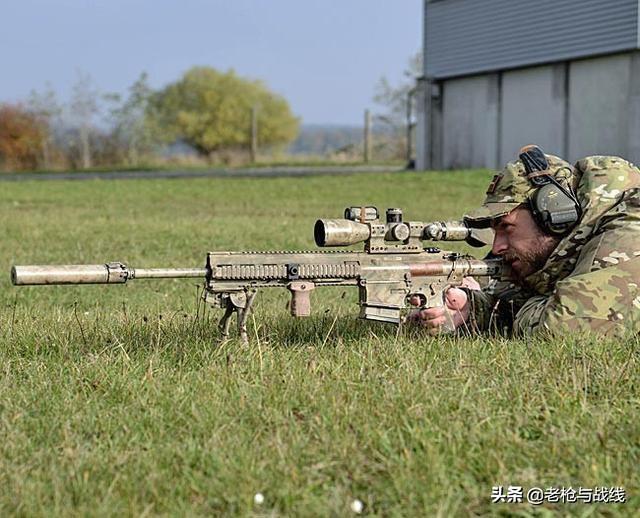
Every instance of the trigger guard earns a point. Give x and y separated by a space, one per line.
436 301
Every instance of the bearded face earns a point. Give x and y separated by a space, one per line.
529 259
521 243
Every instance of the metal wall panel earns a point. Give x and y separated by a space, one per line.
599 124
470 119
464 37
534 106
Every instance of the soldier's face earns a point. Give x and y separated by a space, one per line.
521 243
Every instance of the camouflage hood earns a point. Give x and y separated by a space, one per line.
608 191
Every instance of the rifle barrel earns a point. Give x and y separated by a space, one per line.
110 273
167 273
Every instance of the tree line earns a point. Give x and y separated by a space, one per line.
218 115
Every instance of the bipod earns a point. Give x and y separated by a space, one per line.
239 302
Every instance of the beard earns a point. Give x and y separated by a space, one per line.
524 262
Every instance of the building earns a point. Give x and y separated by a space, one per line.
499 74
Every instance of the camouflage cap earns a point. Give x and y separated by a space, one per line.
510 188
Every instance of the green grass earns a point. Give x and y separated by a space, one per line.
288 162
114 399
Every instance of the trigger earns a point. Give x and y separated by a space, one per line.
422 299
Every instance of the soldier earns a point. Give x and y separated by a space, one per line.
572 238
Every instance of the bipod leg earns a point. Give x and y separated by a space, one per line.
225 321
243 314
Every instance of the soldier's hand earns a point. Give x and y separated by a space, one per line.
452 315
471 283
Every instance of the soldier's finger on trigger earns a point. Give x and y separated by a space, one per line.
414 300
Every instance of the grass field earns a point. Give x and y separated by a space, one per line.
201 165
115 401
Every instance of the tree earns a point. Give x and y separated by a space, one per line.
45 106
84 107
21 137
393 99
131 128
211 111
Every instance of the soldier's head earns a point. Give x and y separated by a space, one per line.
530 205
521 242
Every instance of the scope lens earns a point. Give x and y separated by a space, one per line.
319 234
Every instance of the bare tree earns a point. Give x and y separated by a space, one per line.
128 116
45 106
393 99
84 106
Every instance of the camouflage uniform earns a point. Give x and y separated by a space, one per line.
590 281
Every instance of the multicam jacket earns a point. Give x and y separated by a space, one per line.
591 280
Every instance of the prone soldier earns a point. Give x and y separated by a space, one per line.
571 235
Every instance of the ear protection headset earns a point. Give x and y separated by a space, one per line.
554 207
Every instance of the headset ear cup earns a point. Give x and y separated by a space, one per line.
537 214
553 209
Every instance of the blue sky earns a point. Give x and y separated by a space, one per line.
324 56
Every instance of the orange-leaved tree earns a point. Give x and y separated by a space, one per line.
21 136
